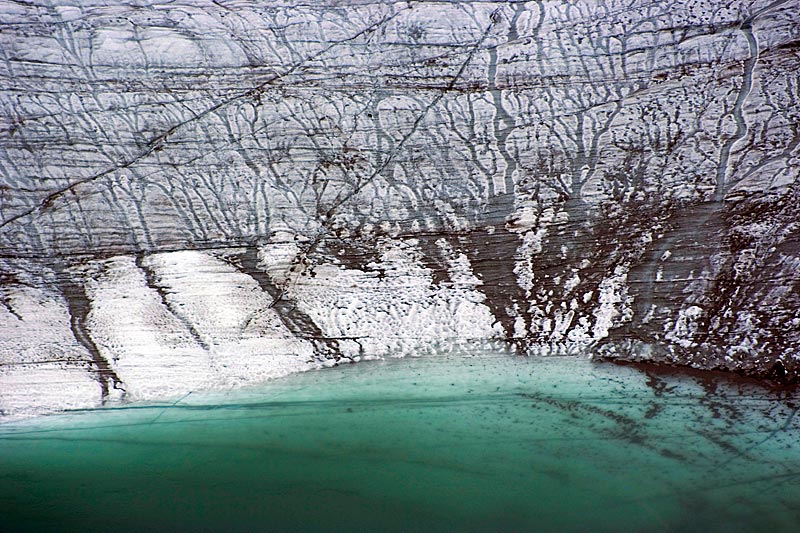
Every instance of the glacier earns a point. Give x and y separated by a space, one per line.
198 195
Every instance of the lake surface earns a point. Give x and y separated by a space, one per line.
484 441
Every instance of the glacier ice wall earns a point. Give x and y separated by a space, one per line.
196 193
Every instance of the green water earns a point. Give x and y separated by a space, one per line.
451 442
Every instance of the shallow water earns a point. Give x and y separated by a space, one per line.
447 442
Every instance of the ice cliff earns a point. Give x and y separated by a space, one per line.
203 193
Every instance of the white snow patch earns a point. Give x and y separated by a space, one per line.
38 388
152 346
685 326
42 366
614 302
398 312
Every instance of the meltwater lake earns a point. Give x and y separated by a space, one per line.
482 441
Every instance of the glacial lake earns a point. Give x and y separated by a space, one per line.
450 442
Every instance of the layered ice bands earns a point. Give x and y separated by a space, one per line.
201 194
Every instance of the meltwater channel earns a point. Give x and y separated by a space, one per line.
456 442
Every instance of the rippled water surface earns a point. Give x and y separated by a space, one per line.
448 442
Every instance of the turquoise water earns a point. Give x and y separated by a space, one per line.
452 442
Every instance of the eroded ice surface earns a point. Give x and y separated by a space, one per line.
615 175
457 442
